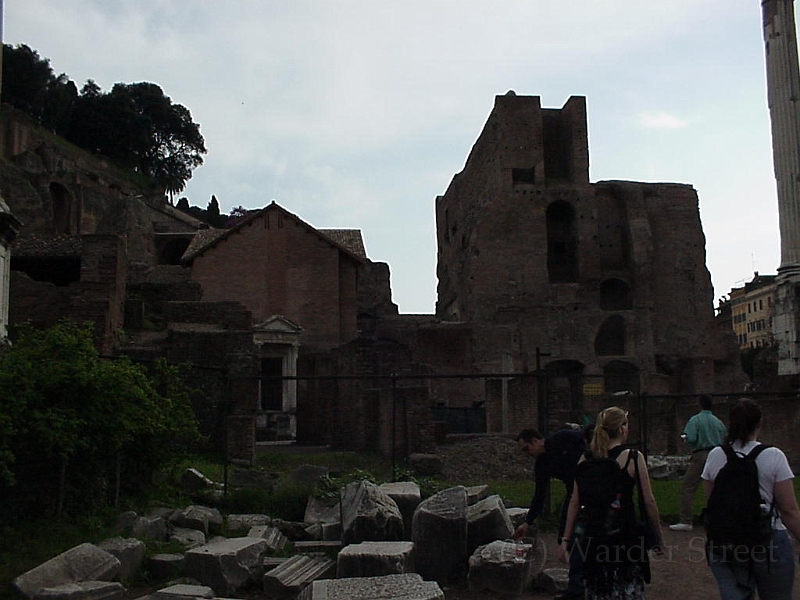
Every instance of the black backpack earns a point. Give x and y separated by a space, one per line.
605 511
736 515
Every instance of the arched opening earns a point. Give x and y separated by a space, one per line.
562 243
621 376
610 340
170 249
615 294
61 204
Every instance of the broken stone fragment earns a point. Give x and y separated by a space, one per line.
409 586
374 559
439 533
226 565
368 514
85 590
130 553
292 576
85 562
502 567
202 518
487 521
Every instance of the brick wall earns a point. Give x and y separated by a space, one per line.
526 245
97 298
358 410
667 417
276 265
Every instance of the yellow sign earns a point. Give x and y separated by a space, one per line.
592 389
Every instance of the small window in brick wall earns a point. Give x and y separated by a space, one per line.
523 176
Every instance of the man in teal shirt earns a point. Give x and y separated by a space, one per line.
702 432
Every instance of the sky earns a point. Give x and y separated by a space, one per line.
358 113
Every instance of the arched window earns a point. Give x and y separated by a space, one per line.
621 376
615 294
562 243
610 340
61 202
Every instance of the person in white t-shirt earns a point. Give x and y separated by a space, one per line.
773 576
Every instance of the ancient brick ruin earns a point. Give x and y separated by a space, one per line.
608 279
577 289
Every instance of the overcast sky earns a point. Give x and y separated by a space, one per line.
357 113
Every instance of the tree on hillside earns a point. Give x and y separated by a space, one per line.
30 84
135 125
213 216
139 127
76 428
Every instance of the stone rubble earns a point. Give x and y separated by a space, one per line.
227 565
128 551
85 562
502 567
85 590
439 533
368 514
392 545
290 577
373 559
409 586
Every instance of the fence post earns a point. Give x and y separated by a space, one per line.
393 400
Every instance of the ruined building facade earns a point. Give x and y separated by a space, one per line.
572 289
603 285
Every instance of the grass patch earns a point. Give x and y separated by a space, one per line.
339 463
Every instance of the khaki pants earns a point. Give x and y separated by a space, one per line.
691 481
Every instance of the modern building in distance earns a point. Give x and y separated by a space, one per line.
752 311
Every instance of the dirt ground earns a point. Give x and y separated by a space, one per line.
681 573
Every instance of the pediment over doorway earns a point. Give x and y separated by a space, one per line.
277 329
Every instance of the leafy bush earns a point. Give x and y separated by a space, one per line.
248 501
77 431
288 502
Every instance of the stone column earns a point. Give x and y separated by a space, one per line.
783 93
9 227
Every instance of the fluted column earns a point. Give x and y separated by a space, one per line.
9 226
783 95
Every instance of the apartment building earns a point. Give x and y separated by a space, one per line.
752 309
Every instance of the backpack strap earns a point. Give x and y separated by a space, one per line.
634 453
757 450
730 453
753 454
631 456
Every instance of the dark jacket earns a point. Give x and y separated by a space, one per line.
562 450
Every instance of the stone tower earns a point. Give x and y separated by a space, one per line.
783 93
607 281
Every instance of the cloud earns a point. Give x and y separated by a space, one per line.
358 113
660 120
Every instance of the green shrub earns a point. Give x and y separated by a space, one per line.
248 500
288 502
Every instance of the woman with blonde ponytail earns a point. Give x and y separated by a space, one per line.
610 422
616 564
